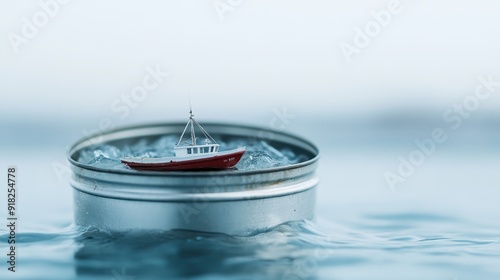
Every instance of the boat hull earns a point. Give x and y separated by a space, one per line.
213 162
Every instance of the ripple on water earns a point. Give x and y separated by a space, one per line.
295 250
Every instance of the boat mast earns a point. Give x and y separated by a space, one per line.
189 123
191 120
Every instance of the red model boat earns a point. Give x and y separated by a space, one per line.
190 156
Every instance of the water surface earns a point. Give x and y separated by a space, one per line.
441 224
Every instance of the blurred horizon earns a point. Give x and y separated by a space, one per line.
259 56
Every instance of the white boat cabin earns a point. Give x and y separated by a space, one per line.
196 150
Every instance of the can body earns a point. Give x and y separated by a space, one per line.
231 202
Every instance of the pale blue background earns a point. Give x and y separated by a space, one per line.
265 56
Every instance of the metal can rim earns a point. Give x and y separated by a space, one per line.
80 144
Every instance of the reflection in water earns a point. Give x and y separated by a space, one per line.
282 253
431 246
292 251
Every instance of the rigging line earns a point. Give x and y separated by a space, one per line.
205 132
183 132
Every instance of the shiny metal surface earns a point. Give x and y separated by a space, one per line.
232 202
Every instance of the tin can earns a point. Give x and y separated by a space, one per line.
228 201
